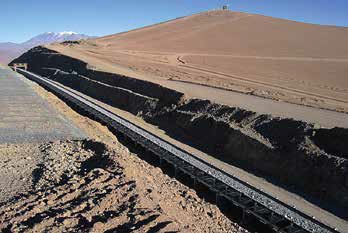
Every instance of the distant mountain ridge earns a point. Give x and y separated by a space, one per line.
9 50
51 37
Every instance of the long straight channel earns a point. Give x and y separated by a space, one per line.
264 207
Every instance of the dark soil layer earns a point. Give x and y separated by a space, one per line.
293 153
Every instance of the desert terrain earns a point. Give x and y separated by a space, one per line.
272 58
259 96
94 184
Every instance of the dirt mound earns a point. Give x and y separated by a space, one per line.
81 186
282 149
115 96
334 141
46 62
87 191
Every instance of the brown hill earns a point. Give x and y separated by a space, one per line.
208 55
225 32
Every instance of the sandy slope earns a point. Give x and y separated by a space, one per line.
224 32
264 56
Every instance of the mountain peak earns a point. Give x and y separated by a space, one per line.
67 33
8 51
64 33
51 37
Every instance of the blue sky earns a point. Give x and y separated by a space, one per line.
23 19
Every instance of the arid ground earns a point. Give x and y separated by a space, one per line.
265 95
263 56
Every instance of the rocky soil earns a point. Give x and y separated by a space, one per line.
83 186
17 162
303 156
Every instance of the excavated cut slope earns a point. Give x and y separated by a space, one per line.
291 152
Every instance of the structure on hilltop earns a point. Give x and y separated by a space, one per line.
225 7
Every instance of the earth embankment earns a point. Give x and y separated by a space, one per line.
293 153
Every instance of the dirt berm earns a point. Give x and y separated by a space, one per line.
310 160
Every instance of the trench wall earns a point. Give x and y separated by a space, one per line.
291 153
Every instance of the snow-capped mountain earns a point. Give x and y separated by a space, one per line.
9 51
51 37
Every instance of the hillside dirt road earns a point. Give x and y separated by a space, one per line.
237 94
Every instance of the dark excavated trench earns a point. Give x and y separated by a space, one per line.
293 154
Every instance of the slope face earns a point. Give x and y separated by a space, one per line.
225 32
222 52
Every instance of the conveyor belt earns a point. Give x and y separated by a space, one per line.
267 209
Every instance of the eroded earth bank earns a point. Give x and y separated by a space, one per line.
303 157
95 185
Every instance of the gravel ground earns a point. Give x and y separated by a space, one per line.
25 117
17 162
86 186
